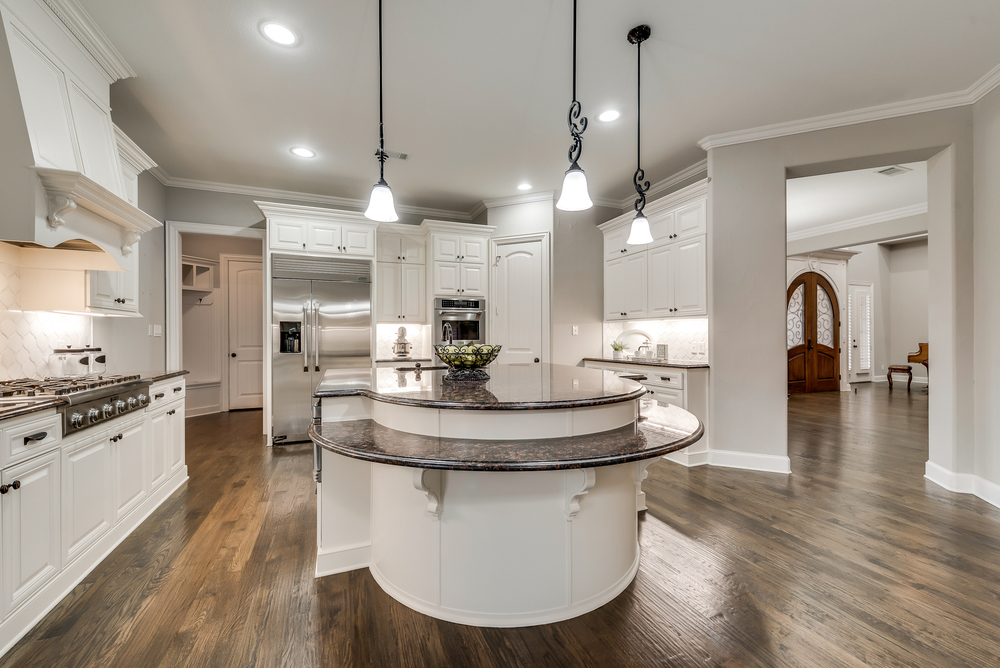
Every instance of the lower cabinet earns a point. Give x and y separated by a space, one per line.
129 460
31 527
87 498
175 440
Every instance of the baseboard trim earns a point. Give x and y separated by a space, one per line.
687 459
331 562
897 381
963 483
750 461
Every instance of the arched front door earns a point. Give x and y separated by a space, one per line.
813 335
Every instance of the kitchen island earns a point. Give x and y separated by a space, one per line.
510 502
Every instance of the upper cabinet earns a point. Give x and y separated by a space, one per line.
459 253
401 248
115 292
401 292
668 278
314 230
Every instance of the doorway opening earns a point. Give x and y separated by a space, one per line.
813 335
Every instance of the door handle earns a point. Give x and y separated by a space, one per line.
536 360
305 339
809 344
316 336
232 354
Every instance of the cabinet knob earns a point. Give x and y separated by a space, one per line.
232 354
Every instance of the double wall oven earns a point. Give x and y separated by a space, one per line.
467 318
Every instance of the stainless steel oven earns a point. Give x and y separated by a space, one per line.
467 318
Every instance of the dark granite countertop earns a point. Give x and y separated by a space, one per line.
407 360
510 387
17 406
674 364
668 429
156 376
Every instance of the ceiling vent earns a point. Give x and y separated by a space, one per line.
895 170
395 155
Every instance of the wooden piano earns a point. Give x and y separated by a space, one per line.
919 357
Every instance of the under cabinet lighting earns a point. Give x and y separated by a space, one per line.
279 34
302 152
608 116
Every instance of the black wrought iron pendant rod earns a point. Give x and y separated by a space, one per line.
637 36
381 136
577 122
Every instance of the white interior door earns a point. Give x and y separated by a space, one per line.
246 344
519 319
859 333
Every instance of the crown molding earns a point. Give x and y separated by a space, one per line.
476 210
281 210
527 198
685 174
861 221
971 95
130 152
401 228
91 38
455 228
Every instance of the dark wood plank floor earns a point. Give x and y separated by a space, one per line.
853 560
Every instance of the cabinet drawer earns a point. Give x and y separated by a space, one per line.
166 390
28 437
670 378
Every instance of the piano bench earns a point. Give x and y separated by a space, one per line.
900 368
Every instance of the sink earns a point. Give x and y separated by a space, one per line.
423 368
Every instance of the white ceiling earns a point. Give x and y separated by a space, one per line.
477 91
817 201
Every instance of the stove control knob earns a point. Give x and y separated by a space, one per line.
108 410
119 406
132 403
143 400
93 415
76 420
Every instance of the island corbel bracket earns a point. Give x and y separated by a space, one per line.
578 482
428 481
640 475
58 206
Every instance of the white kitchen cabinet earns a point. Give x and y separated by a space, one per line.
459 254
413 250
387 296
287 235
328 237
87 496
129 464
31 527
324 237
447 247
175 442
661 281
116 291
401 248
474 250
401 293
159 447
625 287
459 278
690 277
614 272
691 219
615 245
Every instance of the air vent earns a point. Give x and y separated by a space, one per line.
320 268
395 155
895 170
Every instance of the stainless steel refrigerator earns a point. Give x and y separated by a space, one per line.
321 319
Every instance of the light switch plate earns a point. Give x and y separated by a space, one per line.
576 330
157 330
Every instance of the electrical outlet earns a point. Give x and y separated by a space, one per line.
576 330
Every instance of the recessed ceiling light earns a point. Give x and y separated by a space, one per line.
303 152
524 186
279 34
608 116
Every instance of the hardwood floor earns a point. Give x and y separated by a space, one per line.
852 560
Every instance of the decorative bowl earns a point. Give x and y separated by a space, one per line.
466 362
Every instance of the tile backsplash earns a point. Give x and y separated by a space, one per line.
418 335
27 339
685 338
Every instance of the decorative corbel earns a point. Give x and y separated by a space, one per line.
59 205
129 239
428 481
583 483
640 474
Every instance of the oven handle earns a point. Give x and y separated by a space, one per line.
460 315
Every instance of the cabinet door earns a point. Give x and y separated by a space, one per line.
129 455
447 247
691 219
634 286
324 237
661 281
473 249
413 300
614 243
159 443
413 250
668 397
87 500
287 234
128 282
613 277
31 528
690 278
473 280
175 453
388 248
661 226
102 289
446 278
387 302
358 240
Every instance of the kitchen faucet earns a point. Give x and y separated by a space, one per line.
449 333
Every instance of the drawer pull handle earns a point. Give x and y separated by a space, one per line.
666 378
6 488
158 395
178 389
35 437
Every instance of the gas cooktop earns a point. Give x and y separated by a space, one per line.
88 400
31 387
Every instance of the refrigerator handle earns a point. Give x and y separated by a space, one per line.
315 335
305 340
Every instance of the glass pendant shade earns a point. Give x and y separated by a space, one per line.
639 234
380 206
574 196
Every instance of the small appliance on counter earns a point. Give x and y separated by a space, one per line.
402 347
75 362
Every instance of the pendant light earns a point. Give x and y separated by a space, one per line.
639 234
380 206
574 196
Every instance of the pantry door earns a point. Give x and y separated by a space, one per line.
246 338
813 333
519 312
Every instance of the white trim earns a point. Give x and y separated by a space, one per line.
879 377
694 170
341 560
401 228
543 237
64 187
860 221
750 461
971 95
963 483
313 213
454 228
92 39
272 193
544 196
130 152
684 458
476 210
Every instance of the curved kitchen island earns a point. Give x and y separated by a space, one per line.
510 502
